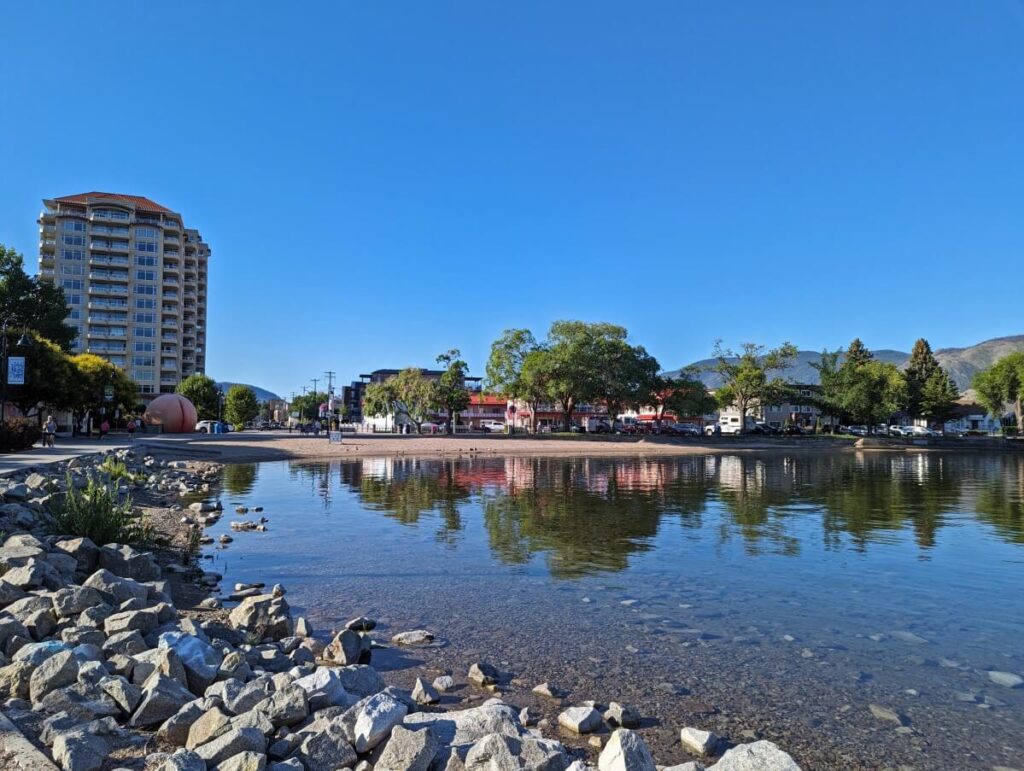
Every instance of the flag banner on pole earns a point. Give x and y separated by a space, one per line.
16 370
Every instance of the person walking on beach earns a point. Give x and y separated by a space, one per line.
49 431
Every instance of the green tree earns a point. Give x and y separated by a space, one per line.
625 376
746 376
506 372
49 376
930 391
308 404
31 303
871 391
450 392
202 391
684 395
91 377
408 394
857 353
535 381
576 351
1002 384
240 406
829 398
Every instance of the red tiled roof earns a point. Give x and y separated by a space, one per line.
482 399
139 201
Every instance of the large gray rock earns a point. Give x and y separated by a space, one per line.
208 726
582 720
125 644
264 615
231 743
33 575
361 680
424 693
757 756
126 695
161 660
324 689
15 679
369 721
162 697
115 590
183 760
327 750
80 750
469 725
1005 679
141 621
201 660
57 671
176 728
10 593
345 648
625 751
285 707
698 741
497 752
244 761
85 553
72 600
408 750
124 561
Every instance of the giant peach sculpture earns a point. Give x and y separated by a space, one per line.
173 413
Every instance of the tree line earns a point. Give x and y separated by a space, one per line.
35 312
595 363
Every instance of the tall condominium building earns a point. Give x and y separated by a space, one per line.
135 282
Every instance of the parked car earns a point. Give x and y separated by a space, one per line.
918 431
898 431
493 426
208 427
686 429
881 430
765 429
791 430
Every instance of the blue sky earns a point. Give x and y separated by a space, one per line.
381 182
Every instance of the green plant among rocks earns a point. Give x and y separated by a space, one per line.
95 512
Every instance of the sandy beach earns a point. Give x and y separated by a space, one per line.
252 447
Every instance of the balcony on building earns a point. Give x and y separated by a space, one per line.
107 347
97 258
170 224
168 324
105 333
107 289
109 246
109 275
172 254
48 244
107 303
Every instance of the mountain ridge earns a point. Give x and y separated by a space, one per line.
960 363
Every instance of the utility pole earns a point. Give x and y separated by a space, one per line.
302 412
329 374
316 407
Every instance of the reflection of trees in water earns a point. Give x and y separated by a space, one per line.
1000 501
239 478
591 514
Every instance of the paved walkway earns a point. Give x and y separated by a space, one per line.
65 449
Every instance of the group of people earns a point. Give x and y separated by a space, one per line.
50 429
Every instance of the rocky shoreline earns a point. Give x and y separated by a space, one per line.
115 658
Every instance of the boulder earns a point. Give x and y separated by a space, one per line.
424 693
56 671
286 706
625 751
115 590
361 680
32 575
581 720
264 615
482 674
141 621
207 726
415 637
327 750
36 653
408 750
621 716
497 752
10 593
444 683
175 729
324 689
469 725
201 660
85 553
183 760
15 680
126 695
1005 679
125 644
244 761
80 750
162 697
757 756
72 600
231 743
369 721
345 648
697 741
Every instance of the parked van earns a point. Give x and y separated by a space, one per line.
730 425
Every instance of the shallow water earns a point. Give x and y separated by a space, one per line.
771 596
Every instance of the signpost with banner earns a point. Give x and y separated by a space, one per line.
108 393
16 370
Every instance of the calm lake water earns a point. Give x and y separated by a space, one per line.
772 596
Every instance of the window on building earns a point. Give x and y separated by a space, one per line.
142 302
145 318
145 275
144 361
72 254
76 225
146 233
76 313
73 299
72 270
145 259
145 331
142 374
73 240
72 283
141 347
145 246
146 289
114 214
147 389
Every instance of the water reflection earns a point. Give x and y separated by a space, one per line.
586 515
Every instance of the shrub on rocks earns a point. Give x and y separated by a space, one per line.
97 513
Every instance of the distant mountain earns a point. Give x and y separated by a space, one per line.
262 394
961 363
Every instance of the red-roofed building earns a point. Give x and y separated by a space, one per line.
134 278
